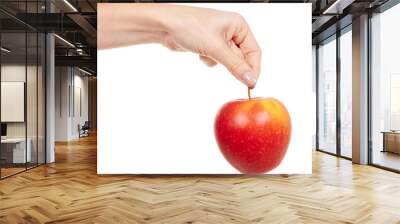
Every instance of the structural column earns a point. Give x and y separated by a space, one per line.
360 90
50 92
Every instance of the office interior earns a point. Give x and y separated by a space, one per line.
48 83
49 96
378 89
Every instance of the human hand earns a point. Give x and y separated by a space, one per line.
216 36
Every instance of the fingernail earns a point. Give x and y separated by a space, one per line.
249 79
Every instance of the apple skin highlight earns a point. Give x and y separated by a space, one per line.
253 135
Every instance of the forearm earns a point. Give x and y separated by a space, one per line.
128 24
216 36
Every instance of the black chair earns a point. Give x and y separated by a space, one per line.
84 130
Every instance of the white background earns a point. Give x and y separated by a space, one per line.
156 108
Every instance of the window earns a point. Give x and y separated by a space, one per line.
346 92
327 96
385 89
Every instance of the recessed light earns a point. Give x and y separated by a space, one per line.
64 40
5 50
84 71
338 6
70 5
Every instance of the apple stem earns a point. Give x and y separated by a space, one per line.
248 93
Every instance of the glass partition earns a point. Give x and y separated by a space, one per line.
14 153
41 109
22 101
31 100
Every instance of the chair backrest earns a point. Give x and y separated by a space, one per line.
86 124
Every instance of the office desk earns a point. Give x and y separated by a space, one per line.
391 141
13 150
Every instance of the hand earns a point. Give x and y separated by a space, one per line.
216 36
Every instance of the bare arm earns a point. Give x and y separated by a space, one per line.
216 36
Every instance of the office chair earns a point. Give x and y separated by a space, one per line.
84 130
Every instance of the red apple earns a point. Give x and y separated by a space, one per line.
253 135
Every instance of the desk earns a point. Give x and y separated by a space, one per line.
391 141
13 150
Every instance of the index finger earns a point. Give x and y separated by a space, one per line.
250 49
251 52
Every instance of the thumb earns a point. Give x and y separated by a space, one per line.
236 64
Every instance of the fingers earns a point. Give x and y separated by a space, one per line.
208 61
211 62
235 63
251 52
236 50
247 43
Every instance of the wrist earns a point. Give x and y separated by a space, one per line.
169 20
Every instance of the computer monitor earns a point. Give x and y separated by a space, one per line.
3 129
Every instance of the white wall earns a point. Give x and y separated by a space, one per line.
62 82
81 84
70 83
14 73
10 73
